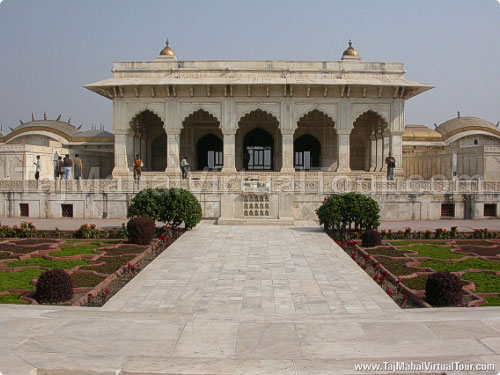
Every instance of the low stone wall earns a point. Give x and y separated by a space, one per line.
262 196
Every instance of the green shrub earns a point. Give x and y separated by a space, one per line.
141 230
371 238
170 206
54 286
443 289
350 211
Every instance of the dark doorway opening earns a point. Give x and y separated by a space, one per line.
258 150
209 151
307 153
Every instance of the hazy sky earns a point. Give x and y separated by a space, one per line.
49 49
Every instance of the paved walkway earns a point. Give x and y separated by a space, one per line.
244 300
253 271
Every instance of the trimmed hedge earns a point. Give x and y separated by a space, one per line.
348 212
443 289
170 206
141 230
54 286
371 238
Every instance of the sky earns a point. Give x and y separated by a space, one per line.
51 48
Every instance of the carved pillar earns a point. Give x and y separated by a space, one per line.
173 143
229 150
121 155
373 152
380 155
287 153
343 149
344 127
385 150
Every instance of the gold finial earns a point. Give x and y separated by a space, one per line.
167 51
350 52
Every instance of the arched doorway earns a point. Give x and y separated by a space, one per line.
209 152
307 153
201 141
147 129
258 142
319 144
367 146
258 150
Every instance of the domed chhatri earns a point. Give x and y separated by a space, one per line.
350 53
167 52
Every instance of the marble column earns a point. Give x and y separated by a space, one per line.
386 149
173 148
287 153
380 155
343 151
373 153
121 165
229 151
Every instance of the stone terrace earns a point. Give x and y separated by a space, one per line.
244 300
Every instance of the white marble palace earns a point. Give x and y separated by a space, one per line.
266 142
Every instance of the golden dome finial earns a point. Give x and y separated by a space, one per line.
167 51
350 53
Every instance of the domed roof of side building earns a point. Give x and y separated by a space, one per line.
50 125
94 133
421 133
459 125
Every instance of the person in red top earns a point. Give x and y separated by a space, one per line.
137 167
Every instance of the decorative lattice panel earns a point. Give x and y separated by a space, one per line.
255 205
448 210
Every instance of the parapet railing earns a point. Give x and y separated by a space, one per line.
292 183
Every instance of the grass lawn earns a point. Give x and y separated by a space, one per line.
485 282
433 251
112 264
67 251
94 241
63 265
396 267
463 265
18 280
12 299
417 283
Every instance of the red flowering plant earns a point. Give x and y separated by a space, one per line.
86 231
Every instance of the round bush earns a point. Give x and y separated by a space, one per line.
54 286
141 230
371 238
443 289
170 206
350 211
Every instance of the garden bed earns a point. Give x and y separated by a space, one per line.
401 267
98 268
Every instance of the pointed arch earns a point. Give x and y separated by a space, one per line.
196 127
367 143
147 128
258 145
201 117
258 141
321 128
